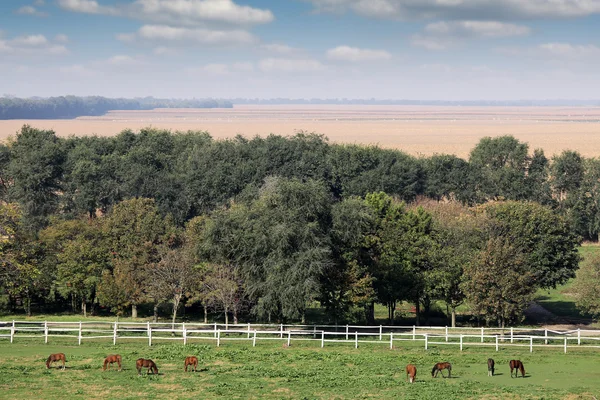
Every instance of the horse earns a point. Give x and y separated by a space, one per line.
191 361
517 365
490 367
143 363
113 358
441 366
411 373
56 357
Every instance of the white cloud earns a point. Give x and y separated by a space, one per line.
444 34
61 38
77 70
290 65
154 33
489 29
462 9
121 60
177 12
31 45
355 54
39 3
570 51
279 48
216 69
220 68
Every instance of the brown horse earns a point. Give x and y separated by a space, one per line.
143 363
517 365
192 362
411 373
113 358
439 367
490 367
56 357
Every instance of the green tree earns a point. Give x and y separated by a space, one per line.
35 168
586 287
567 173
136 231
499 284
82 255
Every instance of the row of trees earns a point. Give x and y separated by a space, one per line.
73 106
268 226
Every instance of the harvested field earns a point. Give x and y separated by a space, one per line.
418 130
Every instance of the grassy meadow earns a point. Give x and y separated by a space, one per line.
303 371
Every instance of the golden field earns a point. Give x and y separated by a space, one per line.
417 130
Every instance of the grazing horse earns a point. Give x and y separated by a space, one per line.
439 367
411 373
56 357
490 367
191 361
143 363
517 365
113 358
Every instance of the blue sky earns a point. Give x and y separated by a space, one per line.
393 49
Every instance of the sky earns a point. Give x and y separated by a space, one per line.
383 49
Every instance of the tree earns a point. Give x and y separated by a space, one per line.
567 173
36 167
173 276
82 255
586 287
223 289
547 240
136 231
499 284
501 165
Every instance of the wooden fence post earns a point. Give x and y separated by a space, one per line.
149 329
496 342
254 339
482 333
346 331
79 333
461 342
578 336
215 330
289 342
248 330
531 344
356 340
12 331
46 332
281 331
414 332
425 341
546 336
380 333
511 334
446 333
322 339
184 333
565 345
391 340
115 333
218 337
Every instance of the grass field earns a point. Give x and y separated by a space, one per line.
303 371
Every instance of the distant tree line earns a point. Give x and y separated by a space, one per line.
267 227
411 102
73 106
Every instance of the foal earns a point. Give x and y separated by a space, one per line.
411 373
56 357
517 365
143 363
439 367
192 362
113 358
490 367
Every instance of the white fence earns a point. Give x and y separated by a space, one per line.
354 334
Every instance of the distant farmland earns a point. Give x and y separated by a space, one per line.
414 129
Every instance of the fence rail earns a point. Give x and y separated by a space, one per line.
352 334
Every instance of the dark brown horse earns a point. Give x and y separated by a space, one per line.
113 358
490 367
191 361
517 365
56 357
411 373
143 363
441 366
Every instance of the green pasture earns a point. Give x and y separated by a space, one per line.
302 371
